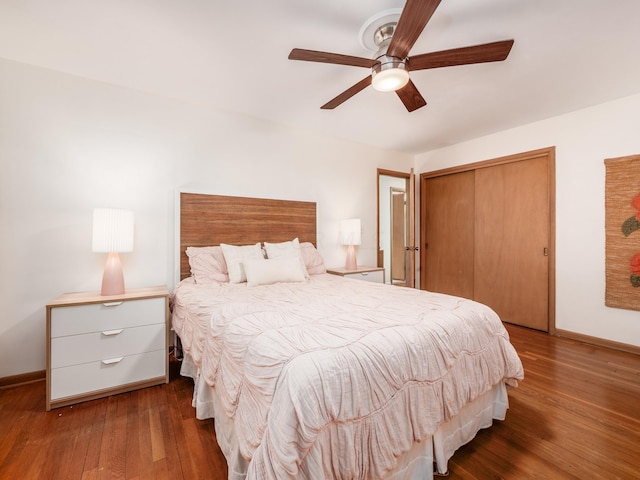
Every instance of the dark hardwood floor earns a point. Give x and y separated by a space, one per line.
575 416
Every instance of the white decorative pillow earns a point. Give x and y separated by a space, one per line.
289 249
277 270
313 261
234 255
207 265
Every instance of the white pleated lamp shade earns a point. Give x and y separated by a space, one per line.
112 230
350 232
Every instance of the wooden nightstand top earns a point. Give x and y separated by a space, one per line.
95 297
344 271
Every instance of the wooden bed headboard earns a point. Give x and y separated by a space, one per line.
207 220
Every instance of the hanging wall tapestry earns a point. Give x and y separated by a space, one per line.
622 227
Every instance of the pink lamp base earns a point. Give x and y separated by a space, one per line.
351 263
112 278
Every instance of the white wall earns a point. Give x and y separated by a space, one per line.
68 145
583 139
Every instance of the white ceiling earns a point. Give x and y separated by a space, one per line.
232 54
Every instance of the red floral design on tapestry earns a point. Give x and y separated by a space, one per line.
635 264
629 226
635 203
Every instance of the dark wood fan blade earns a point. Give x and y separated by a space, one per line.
487 52
326 57
413 19
347 94
411 97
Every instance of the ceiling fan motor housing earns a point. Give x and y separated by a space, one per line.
390 73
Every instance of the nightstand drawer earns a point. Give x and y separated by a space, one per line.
111 372
376 276
99 317
77 349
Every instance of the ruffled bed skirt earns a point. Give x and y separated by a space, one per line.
417 464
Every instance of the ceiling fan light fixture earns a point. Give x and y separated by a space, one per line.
389 76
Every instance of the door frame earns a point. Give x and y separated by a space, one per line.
550 154
410 224
398 234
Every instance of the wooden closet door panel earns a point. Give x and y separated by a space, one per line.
448 230
511 238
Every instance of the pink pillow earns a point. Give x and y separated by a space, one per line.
313 261
207 265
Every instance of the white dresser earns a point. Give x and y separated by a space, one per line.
99 346
369 274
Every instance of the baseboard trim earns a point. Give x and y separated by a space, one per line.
600 342
23 379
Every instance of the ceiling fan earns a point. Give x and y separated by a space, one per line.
391 64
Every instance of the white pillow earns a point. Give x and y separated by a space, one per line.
268 271
289 249
234 255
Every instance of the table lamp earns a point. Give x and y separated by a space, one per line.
350 235
112 233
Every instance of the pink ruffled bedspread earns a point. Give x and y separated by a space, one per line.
337 377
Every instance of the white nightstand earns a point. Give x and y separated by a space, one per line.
370 274
99 346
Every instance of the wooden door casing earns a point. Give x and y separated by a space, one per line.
398 237
411 248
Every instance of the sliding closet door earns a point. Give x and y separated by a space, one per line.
488 231
447 233
511 270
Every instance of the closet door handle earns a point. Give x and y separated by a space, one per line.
110 333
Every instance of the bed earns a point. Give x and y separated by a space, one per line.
324 376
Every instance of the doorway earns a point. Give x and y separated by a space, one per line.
396 231
398 235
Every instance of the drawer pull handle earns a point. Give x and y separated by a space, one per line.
112 304
364 274
110 333
111 361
